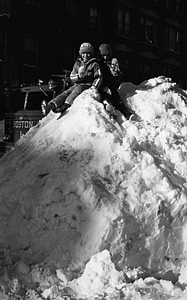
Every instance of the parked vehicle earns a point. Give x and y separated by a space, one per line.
24 110
24 106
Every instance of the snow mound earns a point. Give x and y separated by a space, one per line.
99 277
153 98
101 280
81 183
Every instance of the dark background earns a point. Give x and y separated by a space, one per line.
39 38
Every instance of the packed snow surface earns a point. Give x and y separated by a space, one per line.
101 202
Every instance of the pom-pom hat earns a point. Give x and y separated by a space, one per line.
86 48
114 61
105 50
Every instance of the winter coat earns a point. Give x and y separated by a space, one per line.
109 79
117 78
93 75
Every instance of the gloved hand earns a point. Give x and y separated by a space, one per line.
82 72
109 108
114 67
107 90
93 87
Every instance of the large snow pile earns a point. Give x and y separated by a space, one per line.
100 203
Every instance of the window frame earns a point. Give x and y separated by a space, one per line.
29 52
172 39
32 6
174 5
179 6
150 36
94 20
123 25
72 8
3 36
31 2
170 5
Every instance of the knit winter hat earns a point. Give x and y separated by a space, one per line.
105 50
86 48
114 61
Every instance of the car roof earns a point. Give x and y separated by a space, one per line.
32 88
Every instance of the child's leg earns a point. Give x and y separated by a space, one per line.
60 99
76 92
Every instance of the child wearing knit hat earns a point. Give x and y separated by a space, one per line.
112 78
86 48
86 73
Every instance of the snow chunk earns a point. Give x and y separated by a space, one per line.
183 275
100 276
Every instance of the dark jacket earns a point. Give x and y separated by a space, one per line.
92 71
117 78
110 80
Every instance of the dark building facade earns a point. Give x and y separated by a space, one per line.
42 37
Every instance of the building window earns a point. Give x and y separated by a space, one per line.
172 39
149 31
30 51
71 7
174 5
123 22
170 4
94 18
179 6
31 2
32 6
2 46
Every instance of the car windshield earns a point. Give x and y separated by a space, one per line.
34 100
16 101
27 101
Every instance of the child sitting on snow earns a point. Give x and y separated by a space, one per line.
86 73
112 78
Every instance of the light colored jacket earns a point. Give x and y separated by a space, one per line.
93 75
